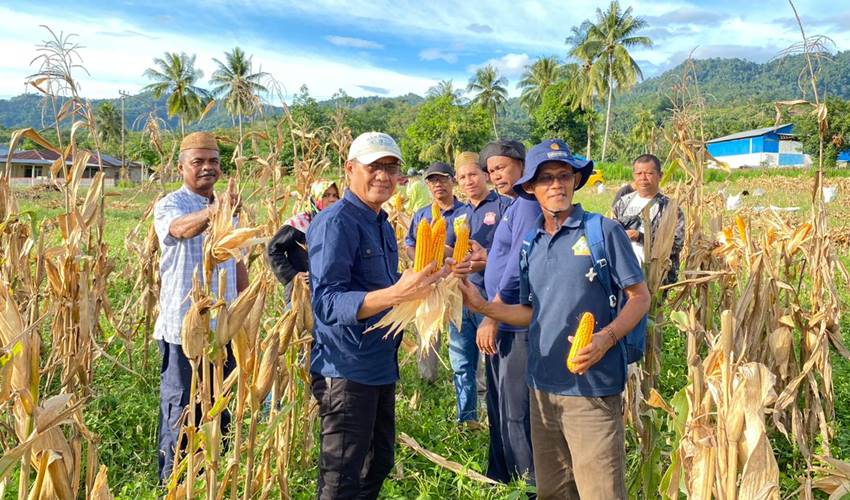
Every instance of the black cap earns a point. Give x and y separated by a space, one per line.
511 149
439 168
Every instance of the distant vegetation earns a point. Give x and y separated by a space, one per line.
566 98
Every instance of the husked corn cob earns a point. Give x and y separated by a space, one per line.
582 337
423 245
461 242
435 213
438 239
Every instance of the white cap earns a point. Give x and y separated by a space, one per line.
370 146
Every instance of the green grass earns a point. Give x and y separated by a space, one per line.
623 173
124 407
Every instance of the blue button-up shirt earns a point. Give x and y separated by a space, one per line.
501 276
425 213
352 250
483 220
179 258
561 285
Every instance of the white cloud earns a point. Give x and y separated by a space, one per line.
438 54
510 66
357 43
509 21
117 63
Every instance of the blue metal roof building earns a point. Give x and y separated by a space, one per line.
763 147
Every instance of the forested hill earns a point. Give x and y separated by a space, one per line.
726 81
26 110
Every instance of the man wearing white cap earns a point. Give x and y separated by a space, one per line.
353 262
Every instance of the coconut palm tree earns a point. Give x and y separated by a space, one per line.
108 122
176 75
536 79
609 40
446 88
490 91
581 93
585 84
644 130
238 86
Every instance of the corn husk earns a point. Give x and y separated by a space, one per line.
196 323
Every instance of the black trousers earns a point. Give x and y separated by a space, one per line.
175 382
357 437
508 409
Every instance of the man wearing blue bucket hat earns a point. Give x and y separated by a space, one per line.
506 346
576 416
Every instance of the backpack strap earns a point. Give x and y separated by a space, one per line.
527 244
601 264
599 256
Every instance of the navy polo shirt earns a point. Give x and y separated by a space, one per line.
561 285
352 250
501 276
425 213
483 220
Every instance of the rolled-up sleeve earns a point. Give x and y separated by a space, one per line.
164 213
332 249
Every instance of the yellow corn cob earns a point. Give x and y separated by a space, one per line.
461 243
799 236
582 337
435 213
438 241
423 243
742 229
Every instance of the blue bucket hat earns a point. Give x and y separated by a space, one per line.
551 150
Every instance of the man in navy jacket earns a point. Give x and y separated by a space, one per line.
354 277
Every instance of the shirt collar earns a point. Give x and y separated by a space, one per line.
491 196
573 221
193 194
358 203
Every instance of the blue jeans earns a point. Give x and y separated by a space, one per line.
463 355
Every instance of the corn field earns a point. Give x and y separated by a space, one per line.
758 308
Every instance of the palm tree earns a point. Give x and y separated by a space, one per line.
609 40
644 130
536 79
108 122
446 88
176 75
490 91
237 85
584 82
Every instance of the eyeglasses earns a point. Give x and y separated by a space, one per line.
548 179
438 179
391 169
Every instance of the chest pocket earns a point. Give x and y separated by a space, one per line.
373 265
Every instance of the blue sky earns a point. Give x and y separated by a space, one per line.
382 47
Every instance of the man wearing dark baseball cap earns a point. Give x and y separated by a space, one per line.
506 346
576 413
440 181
